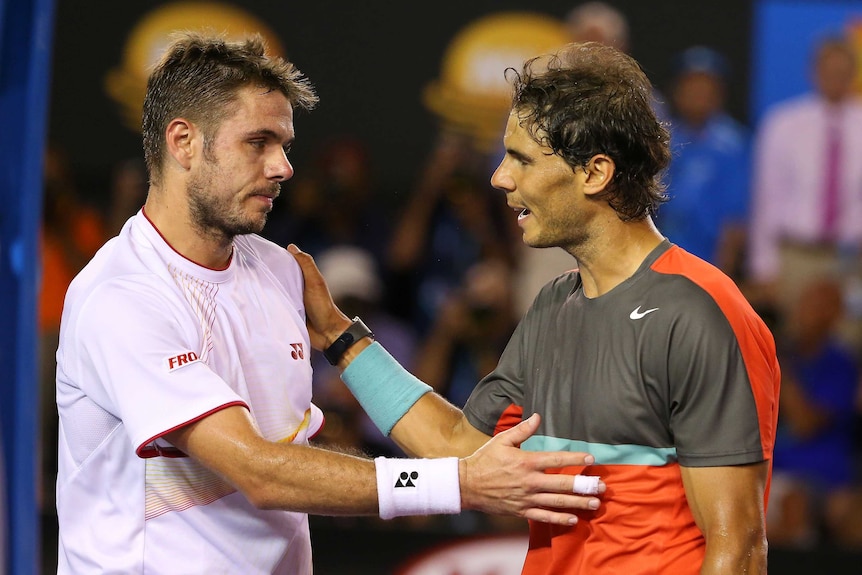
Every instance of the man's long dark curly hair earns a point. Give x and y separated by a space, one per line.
589 99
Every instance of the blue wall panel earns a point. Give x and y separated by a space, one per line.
26 30
784 37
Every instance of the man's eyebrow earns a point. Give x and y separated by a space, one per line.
270 135
263 132
518 155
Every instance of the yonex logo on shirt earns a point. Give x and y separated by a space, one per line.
181 360
297 352
406 479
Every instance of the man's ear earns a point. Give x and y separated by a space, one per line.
599 172
180 138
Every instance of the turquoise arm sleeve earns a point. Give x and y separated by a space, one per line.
384 389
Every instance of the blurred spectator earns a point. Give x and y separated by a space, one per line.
600 22
332 202
807 208
452 220
708 177
128 193
357 288
469 333
71 233
298 216
353 214
815 484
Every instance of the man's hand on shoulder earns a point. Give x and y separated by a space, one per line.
324 320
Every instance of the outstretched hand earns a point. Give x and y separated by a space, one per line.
501 478
323 318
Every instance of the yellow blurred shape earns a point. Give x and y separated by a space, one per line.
472 95
148 40
854 33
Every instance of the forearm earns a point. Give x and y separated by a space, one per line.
312 480
300 478
433 427
429 427
279 475
323 482
499 478
421 421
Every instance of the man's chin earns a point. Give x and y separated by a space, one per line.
250 227
534 242
258 221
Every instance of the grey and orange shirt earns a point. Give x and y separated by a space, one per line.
672 367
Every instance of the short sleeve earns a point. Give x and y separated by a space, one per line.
140 354
713 415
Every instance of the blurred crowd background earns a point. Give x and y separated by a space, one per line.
392 197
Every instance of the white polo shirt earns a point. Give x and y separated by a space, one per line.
150 341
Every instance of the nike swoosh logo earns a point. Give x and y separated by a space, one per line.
637 313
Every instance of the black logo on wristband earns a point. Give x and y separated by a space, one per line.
407 479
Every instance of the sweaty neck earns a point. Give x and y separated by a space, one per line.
614 255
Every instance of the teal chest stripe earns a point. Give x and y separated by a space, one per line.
605 454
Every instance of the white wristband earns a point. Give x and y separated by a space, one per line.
586 484
417 486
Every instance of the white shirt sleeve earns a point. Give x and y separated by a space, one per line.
139 356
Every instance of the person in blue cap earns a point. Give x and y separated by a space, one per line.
708 177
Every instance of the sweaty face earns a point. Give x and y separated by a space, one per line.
236 178
223 214
545 192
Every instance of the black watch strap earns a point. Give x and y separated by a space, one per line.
351 335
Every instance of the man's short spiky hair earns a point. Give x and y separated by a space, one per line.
200 75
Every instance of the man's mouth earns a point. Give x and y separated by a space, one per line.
267 196
271 192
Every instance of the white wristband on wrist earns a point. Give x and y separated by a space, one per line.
417 486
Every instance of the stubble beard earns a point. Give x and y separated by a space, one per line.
567 235
221 218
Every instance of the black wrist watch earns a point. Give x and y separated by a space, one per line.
351 335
